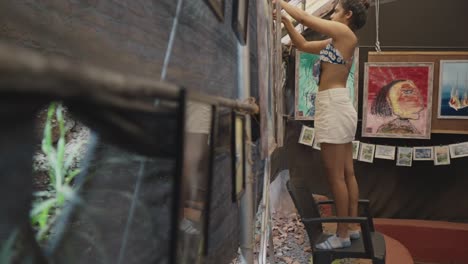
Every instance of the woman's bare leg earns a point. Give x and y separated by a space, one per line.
351 183
333 156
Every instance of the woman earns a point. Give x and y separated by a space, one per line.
335 117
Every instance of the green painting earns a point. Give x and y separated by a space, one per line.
307 84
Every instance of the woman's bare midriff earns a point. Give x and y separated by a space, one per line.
333 76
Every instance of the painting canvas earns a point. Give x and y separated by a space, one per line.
404 156
366 153
459 150
453 89
441 155
316 145
423 153
355 149
307 136
265 73
307 83
385 152
397 100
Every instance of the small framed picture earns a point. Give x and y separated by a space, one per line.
423 153
316 145
441 155
405 156
218 8
366 152
355 149
238 155
459 150
240 19
385 152
307 135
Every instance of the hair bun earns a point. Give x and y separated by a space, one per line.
366 3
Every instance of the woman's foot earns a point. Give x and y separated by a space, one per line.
354 234
334 242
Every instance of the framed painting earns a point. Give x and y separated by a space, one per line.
307 136
355 149
423 153
453 89
217 6
366 152
307 79
441 155
397 100
385 152
238 155
405 157
459 150
240 17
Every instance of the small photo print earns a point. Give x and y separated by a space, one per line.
316 145
307 135
355 149
441 155
459 150
385 152
423 153
404 156
366 152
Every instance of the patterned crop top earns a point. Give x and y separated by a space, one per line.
330 55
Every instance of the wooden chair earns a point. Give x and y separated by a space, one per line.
371 245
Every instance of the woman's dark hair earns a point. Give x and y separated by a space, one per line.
380 106
359 9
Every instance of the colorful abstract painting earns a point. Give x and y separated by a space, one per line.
397 100
453 89
307 83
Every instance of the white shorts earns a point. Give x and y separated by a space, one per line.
335 117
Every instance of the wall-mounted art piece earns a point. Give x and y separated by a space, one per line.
453 89
441 155
355 149
459 150
397 100
240 17
385 152
366 152
307 80
423 153
217 6
307 136
266 77
404 157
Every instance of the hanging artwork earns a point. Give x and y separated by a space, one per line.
441 155
366 152
316 145
385 152
423 153
459 150
453 89
397 100
355 149
307 78
307 135
265 76
404 156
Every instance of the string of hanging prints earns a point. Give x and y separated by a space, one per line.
404 156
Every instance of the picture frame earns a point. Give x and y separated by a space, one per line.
366 152
453 89
238 151
441 155
423 153
458 150
385 152
307 135
316 145
240 17
355 149
217 6
306 83
404 156
388 113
